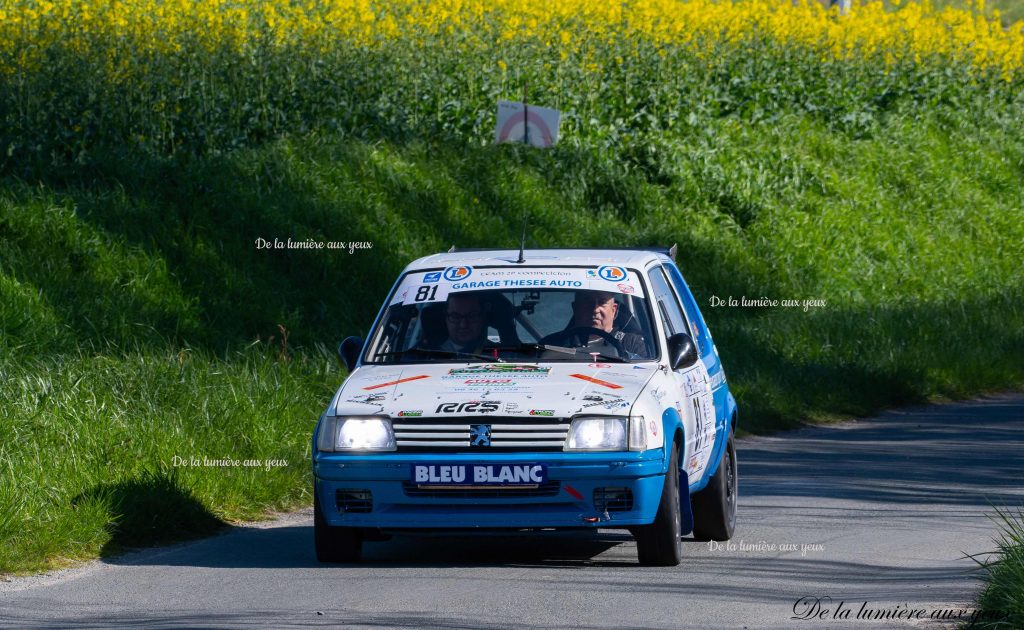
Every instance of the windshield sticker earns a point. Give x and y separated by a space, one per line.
401 380
612 274
454 274
436 286
596 381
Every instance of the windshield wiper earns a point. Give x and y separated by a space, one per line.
538 347
441 353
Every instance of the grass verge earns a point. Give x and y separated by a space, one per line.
1001 604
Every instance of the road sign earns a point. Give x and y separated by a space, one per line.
514 120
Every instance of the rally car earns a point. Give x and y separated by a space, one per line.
530 390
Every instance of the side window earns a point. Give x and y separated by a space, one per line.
667 304
699 329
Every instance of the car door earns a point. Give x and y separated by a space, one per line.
705 347
691 394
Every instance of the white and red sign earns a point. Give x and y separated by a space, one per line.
519 123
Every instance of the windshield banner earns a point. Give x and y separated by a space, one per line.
434 286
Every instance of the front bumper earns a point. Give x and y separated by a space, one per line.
576 495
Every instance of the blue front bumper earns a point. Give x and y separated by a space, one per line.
576 496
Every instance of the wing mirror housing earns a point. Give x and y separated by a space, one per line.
682 351
348 351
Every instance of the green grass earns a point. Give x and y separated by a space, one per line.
139 323
1001 604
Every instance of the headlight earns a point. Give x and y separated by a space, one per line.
607 434
356 434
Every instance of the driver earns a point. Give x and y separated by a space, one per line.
465 315
597 309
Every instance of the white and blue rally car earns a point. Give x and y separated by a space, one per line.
530 390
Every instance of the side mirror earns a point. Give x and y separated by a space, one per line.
348 350
682 352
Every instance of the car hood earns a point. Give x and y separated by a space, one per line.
493 389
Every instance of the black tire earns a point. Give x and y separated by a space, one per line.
334 544
660 544
714 507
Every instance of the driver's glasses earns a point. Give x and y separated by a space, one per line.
457 319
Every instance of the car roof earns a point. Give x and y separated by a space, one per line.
533 257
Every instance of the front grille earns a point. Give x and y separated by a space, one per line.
613 499
546 489
481 434
354 501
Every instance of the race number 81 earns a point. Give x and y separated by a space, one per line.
426 293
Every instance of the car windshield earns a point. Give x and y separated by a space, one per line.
497 314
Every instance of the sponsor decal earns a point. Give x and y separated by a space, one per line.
511 273
512 369
654 427
433 276
596 381
608 402
693 462
694 382
542 412
599 365
454 274
368 399
611 274
473 406
374 376
401 380
479 474
410 413
718 379
482 284
490 382
626 288
658 394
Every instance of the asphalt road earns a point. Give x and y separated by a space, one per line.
877 514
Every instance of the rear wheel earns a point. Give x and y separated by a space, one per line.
660 544
714 507
334 544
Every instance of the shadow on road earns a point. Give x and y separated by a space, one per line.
292 547
965 454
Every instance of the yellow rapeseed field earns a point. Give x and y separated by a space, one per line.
914 31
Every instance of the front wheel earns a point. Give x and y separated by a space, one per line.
714 507
660 544
334 544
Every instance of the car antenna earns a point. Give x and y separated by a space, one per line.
522 243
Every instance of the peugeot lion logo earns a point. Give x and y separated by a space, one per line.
480 434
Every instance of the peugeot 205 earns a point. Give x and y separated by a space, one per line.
530 390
